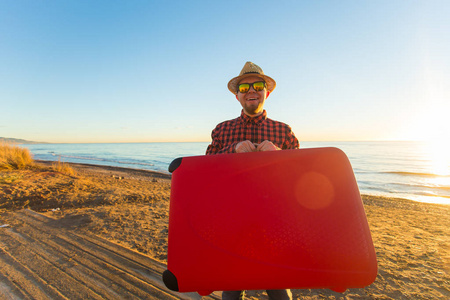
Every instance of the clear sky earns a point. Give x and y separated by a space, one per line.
150 71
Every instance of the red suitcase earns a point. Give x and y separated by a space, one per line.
267 220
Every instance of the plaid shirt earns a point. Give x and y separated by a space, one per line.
228 134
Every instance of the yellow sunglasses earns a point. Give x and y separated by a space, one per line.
257 86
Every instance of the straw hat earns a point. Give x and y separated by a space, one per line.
250 69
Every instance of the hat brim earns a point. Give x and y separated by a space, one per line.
233 83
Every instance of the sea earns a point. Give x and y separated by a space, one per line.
409 170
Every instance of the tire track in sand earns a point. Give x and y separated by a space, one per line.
41 260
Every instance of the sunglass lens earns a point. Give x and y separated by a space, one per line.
258 86
243 88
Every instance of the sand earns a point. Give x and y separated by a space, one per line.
128 210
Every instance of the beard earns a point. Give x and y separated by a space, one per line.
253 108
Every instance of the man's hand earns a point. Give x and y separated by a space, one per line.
245 146
266 146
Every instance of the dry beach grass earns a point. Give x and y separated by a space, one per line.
13 157
130 208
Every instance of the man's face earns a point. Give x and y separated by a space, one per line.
252 102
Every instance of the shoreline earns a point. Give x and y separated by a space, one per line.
130 207
375 172
141 172
144 172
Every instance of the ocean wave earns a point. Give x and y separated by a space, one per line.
416 174
374 188
420 185
102 159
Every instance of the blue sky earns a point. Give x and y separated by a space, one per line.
149 71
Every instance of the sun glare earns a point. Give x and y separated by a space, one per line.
439 155
432 128
437 142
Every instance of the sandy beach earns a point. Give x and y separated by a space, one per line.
130 208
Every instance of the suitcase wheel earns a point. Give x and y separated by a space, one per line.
170 280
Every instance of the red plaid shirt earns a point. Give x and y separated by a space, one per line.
228 134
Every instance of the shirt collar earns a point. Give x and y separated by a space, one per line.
256 120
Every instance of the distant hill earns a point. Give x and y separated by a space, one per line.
18 141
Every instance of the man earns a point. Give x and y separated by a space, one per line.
252 131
